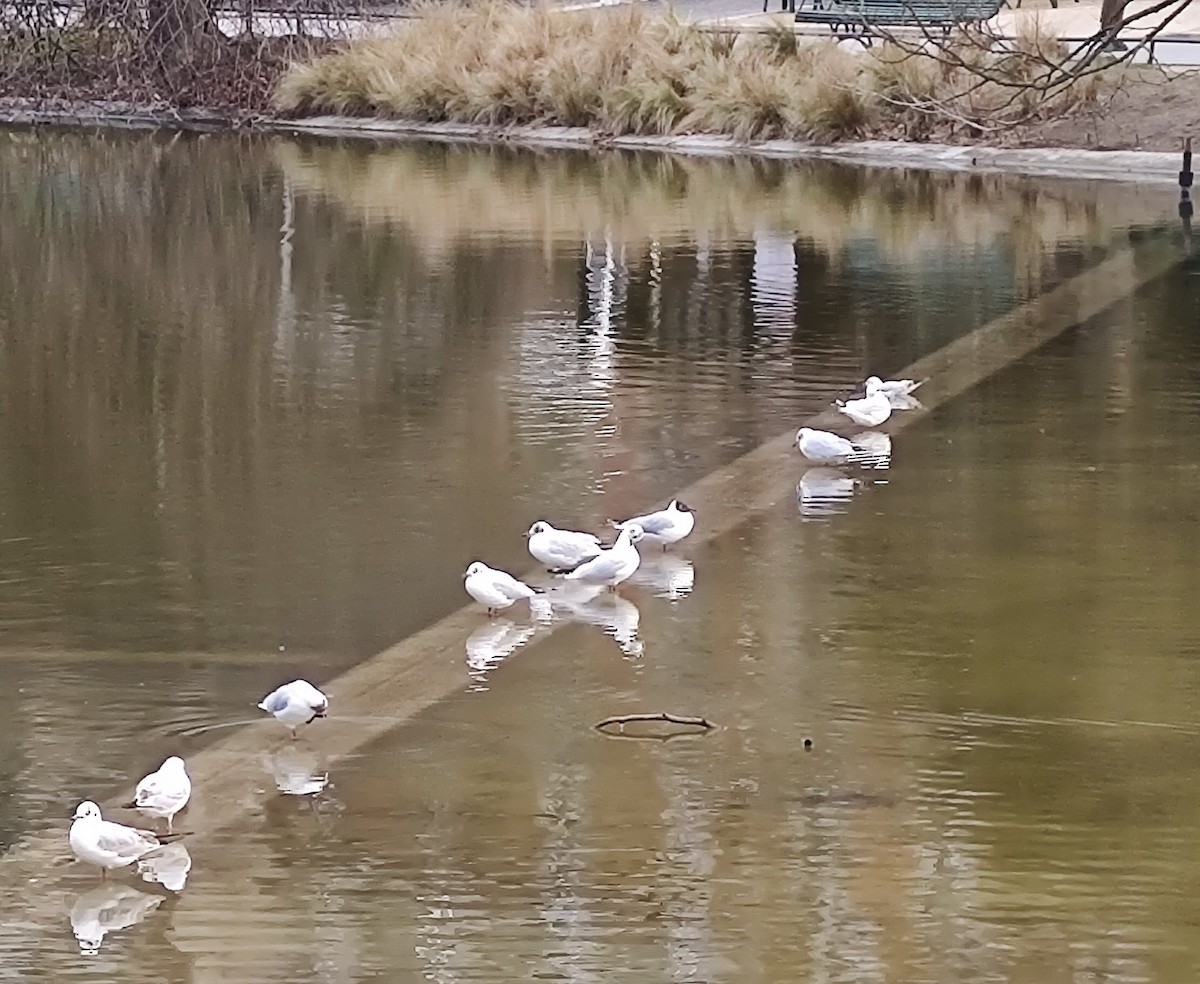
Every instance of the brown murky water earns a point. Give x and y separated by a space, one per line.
260 403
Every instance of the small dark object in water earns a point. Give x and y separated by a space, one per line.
807 744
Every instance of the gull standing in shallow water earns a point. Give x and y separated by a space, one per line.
827 448
614 565
105 844
495 589
561 550
165 792
666 526
295 703
871 411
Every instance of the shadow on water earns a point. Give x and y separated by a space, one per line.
262 394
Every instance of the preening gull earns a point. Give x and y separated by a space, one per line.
165 792
870 411
827 448
295 703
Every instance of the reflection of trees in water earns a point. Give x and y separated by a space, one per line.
889 247
155 376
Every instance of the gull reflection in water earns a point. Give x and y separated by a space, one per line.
168 867
666 575
490 644
825 491
878 446
297 771
594 605
108 908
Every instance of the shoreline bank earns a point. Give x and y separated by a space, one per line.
1129 166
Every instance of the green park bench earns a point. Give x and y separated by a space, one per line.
858 18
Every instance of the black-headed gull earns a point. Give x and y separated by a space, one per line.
614 564
495 589
870 411
561 550
295 703
105 844
165 792
666 526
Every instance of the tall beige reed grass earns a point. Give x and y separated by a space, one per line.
622 71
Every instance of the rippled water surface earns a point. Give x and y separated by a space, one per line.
260 404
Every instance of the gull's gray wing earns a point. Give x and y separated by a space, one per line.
509 586
149 787
572 549
831 445
652 522
124 841
655 522
599 568
275 702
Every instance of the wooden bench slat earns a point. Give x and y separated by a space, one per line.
864 13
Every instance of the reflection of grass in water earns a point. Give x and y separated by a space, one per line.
444 194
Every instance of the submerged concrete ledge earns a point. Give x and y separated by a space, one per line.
1120 165
1147 167
230 784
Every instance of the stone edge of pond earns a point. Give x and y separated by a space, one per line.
1139 166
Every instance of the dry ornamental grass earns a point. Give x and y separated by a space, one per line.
622 71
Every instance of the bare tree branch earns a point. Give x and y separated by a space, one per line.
156 53
624 719
996 81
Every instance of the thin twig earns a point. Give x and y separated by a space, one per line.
1028 80
624 719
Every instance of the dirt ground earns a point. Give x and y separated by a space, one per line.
1151 113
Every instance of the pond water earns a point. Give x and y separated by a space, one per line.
261 402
